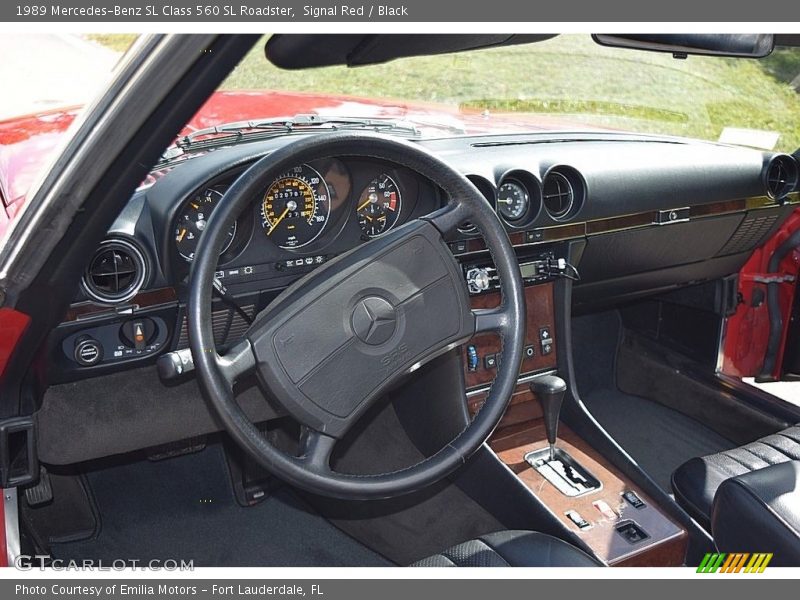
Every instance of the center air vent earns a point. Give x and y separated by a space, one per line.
116 272
562 192
782 175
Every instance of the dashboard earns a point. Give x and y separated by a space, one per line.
630 215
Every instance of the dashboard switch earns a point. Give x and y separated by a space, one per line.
137 333
472 358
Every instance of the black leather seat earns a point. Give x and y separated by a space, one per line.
760 512
511 549
696 481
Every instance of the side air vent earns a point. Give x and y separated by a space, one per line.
562 192
116 273
782 176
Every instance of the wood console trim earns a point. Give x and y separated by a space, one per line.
540 313
668 540
144 299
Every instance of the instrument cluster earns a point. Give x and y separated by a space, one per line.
320 208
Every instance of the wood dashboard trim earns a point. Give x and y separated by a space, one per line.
557 233
540 314
668 541
144 299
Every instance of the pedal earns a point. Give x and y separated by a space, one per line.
41 493
251 482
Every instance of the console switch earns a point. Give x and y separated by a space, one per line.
633 499
576 518
631 532
605 509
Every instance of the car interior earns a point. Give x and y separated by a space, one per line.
512 359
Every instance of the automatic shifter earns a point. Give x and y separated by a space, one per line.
555 464
550 390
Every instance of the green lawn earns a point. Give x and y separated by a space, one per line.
571 75
115 41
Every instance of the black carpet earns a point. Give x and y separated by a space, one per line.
183 508
658 438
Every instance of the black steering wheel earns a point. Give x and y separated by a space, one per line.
331 343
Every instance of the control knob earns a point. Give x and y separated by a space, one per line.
478 280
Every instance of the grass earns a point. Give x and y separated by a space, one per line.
118 42
570 75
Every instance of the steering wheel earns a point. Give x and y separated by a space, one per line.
330 344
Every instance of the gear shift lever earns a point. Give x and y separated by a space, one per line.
550 390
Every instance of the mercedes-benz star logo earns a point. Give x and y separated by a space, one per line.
374 320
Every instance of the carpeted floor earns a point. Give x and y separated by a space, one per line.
658 438
183 508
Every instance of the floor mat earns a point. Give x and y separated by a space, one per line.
658 438
183 508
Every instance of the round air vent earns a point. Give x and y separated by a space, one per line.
116 272
558 194
485 188
782 176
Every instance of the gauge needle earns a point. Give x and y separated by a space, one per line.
183 233
275 224
363 206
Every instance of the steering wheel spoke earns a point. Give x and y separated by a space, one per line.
316 449
448 218
237 362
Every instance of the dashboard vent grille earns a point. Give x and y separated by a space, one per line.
782 174
228 326
749 234
116 273
557 194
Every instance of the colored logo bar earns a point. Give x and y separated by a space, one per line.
735 562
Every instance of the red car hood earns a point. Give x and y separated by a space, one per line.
28 143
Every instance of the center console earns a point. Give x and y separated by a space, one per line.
612 516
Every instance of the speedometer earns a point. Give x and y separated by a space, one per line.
296 208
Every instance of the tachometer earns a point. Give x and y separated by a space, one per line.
192 221
379 206
296 208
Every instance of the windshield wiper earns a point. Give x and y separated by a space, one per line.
233 132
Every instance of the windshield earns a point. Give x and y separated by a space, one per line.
568 83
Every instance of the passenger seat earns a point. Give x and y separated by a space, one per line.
696 481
